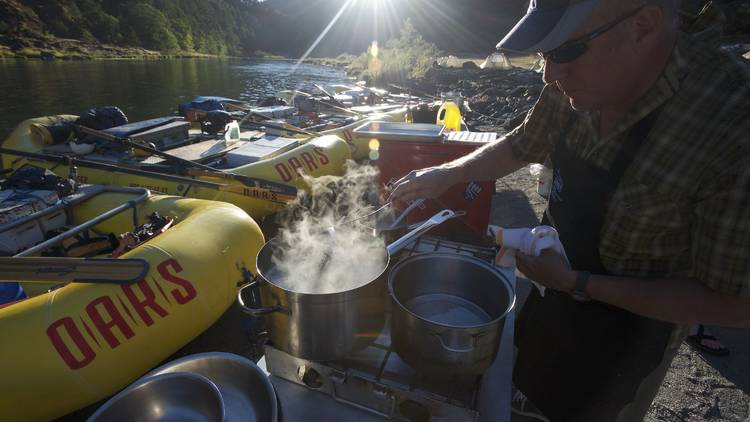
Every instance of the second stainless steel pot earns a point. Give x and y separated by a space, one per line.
323 326
448 313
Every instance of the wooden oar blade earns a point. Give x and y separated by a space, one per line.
79 270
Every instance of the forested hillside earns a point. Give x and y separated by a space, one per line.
223 27
285 27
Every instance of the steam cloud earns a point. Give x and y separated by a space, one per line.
313 259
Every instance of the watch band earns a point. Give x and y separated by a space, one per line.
579 292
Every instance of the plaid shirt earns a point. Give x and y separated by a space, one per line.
683 206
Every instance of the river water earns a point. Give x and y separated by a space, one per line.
142 89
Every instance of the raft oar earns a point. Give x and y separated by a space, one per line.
417 91
335 107
252 182
281 128
136 145
75 270
285 194
329 95
108 167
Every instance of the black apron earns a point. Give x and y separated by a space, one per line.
584 361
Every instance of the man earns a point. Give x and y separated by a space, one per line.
647 131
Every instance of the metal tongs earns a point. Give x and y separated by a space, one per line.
416 203
406 239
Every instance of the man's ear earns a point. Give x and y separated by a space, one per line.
648 23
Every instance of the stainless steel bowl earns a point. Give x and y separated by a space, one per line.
178 396
247 392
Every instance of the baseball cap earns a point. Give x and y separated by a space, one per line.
547 24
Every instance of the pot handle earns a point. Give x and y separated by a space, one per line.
251 309
448 348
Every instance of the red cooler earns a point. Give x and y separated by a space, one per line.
406 147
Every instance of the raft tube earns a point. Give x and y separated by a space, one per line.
81 343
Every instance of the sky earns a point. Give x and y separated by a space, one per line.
455 25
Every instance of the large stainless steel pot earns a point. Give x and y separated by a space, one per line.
323 326
448 313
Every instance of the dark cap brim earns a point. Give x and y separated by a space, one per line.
544 29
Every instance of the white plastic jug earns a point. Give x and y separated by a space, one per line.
232 133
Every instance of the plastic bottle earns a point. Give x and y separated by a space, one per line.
232 133
543 176
449 116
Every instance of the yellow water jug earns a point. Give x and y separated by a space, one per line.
449 116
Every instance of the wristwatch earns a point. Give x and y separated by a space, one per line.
579 291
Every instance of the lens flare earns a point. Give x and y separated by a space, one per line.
374 49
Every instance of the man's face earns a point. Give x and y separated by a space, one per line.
605 74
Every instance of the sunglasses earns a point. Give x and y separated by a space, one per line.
573 49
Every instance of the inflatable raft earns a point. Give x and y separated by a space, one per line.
77 344
260 188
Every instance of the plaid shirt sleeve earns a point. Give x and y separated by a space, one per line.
533 140
721 233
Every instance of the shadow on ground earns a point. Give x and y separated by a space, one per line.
512 209
735 366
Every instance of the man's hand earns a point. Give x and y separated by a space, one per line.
429 182
548 269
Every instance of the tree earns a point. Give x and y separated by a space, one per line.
103 26
152 28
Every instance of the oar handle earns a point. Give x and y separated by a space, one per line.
79 270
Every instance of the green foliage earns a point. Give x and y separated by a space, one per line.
223 27
104 27
406 57
151 26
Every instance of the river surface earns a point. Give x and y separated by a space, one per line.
142 89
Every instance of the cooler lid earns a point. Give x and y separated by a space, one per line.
393 131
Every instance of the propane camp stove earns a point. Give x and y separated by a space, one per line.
374 384
378 381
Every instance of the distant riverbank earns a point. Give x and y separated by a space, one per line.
71 49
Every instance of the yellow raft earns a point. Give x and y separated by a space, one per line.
78 344
324 155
